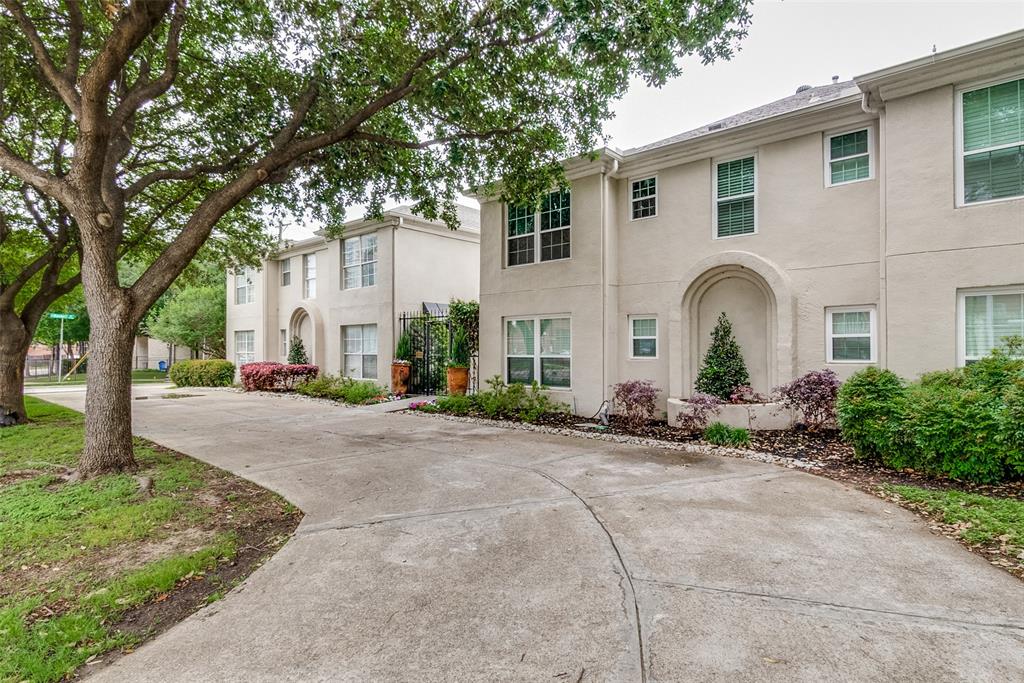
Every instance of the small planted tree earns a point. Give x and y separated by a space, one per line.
297 352
723 369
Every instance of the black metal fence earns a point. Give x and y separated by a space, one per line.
431 337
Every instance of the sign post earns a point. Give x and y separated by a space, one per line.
60 345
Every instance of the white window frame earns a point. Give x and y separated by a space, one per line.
657 187
286 271
536 345
961 314
632 337
958 126
829 336
306 279
251 355
250 287
361 263
362 353
714 194
537 235
827 149
284 343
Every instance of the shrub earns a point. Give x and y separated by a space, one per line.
344 389
700 407
870 409
724 435
297 352
1011 426
637 399
813 396
723 369
403 350
271 376
746 394
456 405
203 373
459 355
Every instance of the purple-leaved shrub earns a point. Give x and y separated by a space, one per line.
813 396
699 410
636 399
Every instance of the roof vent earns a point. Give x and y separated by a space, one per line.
835 79
802 88
714 126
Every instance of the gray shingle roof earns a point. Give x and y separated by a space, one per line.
807 98
468 216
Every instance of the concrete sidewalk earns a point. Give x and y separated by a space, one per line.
440 551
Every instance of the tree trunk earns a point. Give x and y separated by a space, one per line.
108 397
14 343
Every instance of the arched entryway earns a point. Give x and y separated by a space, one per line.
755 294
307 324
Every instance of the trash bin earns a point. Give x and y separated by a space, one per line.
162 366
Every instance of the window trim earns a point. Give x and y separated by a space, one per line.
827 155
536 345
872 310
657 186
285 268
537 235
958 130
305 275
361 354
632 338
961 314
235 346
283 334
715 162
361 263
250 288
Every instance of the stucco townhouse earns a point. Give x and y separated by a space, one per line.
343 297
874 222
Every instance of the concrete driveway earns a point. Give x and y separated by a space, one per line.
439 551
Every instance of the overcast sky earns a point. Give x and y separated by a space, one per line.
793 43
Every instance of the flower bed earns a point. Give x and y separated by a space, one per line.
753 416
272 376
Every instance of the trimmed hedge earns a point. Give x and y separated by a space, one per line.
203 373
964 423
344 389
273 376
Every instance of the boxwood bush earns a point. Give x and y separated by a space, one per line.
203 373
964 423
338 388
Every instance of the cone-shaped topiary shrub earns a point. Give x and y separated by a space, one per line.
297 352
723 368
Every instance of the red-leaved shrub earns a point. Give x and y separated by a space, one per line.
273 376
813 396
698 410
637 400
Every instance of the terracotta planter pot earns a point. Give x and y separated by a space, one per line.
400 377
458 381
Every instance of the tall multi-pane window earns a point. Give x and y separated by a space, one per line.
308 276
849 157
992 142
987 319
245 347
539 349
359 256
284 344
245 290
644 198
286 272
643 336
734 197
850 334
360 351
542 235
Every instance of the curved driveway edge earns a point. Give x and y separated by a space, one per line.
437 551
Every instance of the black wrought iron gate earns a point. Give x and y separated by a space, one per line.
429 336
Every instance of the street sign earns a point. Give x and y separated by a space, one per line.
63 316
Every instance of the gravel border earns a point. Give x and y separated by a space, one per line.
701 449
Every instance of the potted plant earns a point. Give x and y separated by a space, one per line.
458 364
401 366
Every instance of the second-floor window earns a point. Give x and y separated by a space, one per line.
537 236
309 276
735 197
245 290
849 157
359 261
644 198
992 142
286 272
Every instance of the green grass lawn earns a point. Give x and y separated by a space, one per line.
75 558
977 519
138 376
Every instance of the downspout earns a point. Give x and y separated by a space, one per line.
394 287
605 237
880 170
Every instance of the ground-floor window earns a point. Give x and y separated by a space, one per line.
850 334
360 351
643 336
987 319
284 343
245 347
539 349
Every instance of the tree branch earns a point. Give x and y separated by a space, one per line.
27 173
424 144
185 173
64 86
75 31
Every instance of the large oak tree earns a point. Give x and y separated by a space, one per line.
312 106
